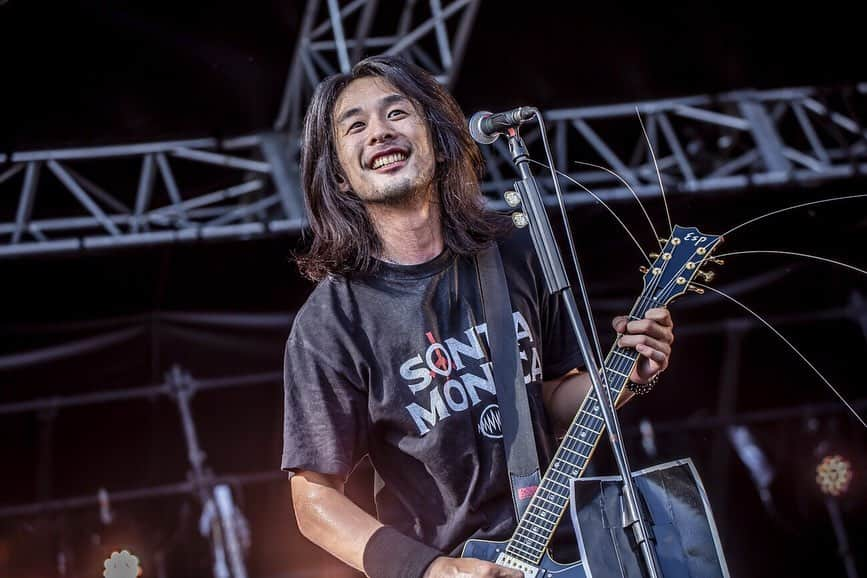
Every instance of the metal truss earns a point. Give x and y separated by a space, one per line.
258 195
335 35
732 141
259 190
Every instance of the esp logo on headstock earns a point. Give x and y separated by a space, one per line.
679 262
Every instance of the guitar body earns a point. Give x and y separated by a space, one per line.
491 551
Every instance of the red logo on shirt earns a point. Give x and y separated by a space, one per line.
441 360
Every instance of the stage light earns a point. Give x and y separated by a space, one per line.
121 565
833 475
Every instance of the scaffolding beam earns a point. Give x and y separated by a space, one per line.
705 145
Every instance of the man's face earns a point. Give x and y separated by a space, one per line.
383 143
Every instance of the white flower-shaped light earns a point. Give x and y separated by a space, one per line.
121 565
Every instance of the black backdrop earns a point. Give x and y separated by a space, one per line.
95 73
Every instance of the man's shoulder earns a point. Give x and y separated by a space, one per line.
325 305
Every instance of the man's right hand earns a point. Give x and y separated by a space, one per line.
444 567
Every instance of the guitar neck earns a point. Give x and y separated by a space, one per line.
548 505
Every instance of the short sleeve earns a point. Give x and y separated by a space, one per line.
325 415
560 347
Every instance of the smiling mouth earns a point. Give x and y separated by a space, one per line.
387 160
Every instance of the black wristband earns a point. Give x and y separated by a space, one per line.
390 554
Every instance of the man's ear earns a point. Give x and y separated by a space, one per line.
342 183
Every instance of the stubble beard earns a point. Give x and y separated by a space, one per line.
402 192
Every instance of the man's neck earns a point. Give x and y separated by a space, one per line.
410 234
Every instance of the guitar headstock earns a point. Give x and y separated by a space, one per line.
680 260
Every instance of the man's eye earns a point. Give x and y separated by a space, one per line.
357 125
396 113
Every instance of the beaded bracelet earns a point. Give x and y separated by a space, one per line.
642 388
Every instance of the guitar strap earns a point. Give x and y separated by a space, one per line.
518 438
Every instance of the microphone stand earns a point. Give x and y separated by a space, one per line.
558 282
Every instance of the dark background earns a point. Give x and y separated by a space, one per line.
91 73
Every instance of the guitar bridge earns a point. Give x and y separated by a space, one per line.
508 561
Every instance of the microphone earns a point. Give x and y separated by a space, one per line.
486 127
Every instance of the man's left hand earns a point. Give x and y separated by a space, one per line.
651 337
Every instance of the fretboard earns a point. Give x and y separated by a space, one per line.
536 527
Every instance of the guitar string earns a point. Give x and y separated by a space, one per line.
778 211
658 173
556 474
629 187
604 204
795 349
807 255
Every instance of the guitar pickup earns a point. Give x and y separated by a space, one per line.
508 561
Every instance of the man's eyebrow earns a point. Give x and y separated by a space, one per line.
386 100
347 113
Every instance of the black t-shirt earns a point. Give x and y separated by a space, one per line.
394 365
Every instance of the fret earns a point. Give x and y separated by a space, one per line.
537 516
587 413
544 487
550 502
571 472
557 494
527 550
532 553
596 423
550 517
623 355
547 512
621 374
591 415
561 485
543 528
588 428
580 441
519 530
571 451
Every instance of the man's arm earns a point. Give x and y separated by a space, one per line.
332 521
651 337
329 519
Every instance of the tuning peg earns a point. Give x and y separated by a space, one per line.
654 255
695 289
662 242
716 261
513 199
707 276
520 219
643 269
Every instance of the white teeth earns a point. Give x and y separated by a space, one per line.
387 160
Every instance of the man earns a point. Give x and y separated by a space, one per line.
388 356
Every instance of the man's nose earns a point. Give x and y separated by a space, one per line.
380 131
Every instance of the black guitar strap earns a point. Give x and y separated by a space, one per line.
518 438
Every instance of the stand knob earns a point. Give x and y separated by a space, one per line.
513 199
520 219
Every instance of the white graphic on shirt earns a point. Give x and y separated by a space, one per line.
449 377
489 424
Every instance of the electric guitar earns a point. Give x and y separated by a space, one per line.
668 277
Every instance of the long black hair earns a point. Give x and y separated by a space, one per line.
344 240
